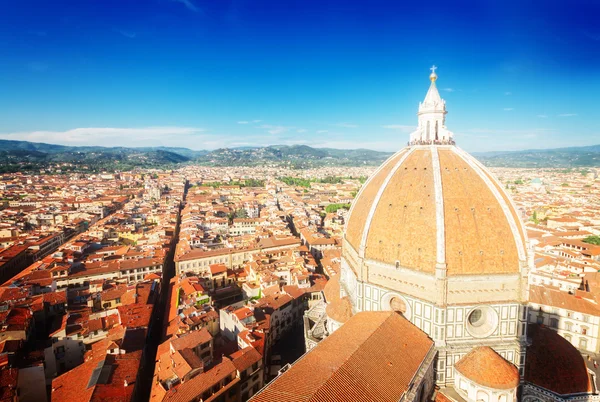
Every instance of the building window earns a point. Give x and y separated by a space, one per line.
583 343
553 323
584 330
568 337
397 304
540 319
568 326
482 396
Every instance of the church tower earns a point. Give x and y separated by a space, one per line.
432 234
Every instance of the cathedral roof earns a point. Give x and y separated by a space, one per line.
332 289
436 204
484 366
554 363
357 362
339 310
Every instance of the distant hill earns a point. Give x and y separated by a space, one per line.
296 156
24 155
588 156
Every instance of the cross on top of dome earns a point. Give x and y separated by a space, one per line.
433 75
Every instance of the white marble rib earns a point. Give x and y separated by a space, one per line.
439 207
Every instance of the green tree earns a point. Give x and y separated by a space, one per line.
592 240
332 208
534 218
241 213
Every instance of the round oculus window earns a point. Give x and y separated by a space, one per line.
482 321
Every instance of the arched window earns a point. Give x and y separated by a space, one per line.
427 134
482 396
397 304
436 131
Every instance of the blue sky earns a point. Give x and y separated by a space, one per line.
206 74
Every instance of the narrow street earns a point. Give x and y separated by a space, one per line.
146 373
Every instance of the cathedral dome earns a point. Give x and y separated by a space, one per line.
432 205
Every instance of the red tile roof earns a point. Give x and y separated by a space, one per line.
357 362
486 367
242 359
217 268
75 384
191 339
339 310
556 298
195 387
553 363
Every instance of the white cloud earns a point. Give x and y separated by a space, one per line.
345 125
196 138
449 89
271 129
567 114
188 4
542 116
400 127
243 122
508 109
301 130
385 146
107 136
515 133
256 121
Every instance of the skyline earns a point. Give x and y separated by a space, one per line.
337 74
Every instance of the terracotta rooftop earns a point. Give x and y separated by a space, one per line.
478 216
486 367
195 387
357 362
339 310
553 363
556 298
191 339
244 358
